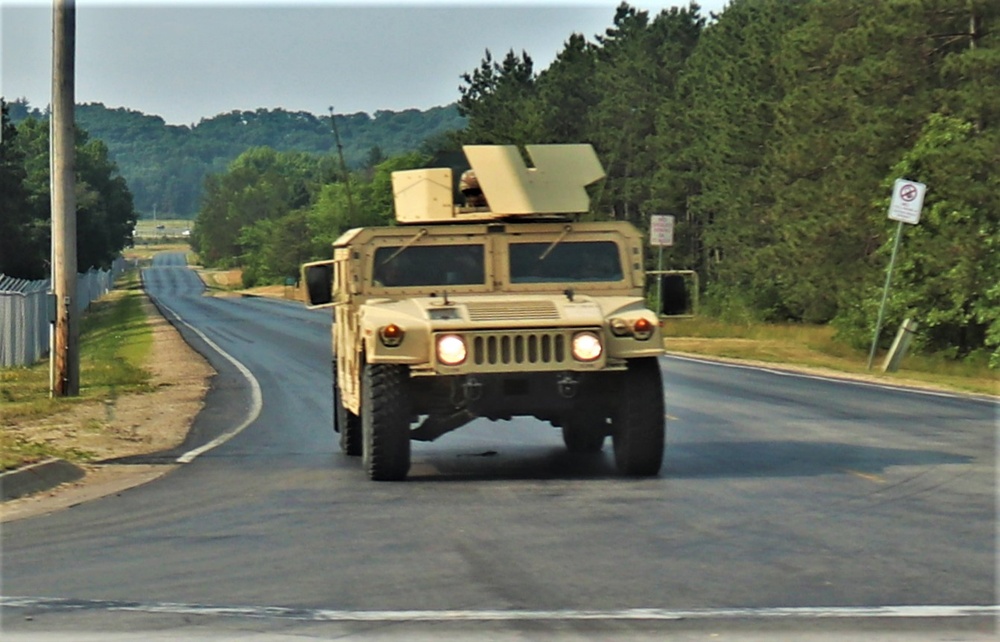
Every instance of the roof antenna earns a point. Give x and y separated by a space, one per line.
343 169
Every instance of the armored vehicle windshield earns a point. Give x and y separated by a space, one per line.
583 261
429 265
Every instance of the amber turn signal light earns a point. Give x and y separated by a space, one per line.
391 335
642 329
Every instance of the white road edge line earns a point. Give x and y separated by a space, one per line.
856 382
256 397
329 615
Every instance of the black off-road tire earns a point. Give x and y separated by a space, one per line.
385 421
345 422
639 425
584 434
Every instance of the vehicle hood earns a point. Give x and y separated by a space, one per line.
507 310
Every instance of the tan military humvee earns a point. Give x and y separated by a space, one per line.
509 308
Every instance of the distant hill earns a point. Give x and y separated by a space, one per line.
165 165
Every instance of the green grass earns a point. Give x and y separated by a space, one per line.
144 252
18 451
151 234
115 344
816 347
162 226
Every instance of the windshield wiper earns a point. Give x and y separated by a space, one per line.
566 230
419 235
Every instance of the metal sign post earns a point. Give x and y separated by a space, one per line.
661 233
907 201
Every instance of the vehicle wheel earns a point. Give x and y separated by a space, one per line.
345 422
385 421
639 425
583 434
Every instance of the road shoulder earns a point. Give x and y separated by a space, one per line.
133 424
829 373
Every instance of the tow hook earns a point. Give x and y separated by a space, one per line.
472 388
567 384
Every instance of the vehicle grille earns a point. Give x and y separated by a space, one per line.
512 311
534 350
520 349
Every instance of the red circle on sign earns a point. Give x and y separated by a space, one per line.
908 192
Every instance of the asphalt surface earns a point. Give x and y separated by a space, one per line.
788 507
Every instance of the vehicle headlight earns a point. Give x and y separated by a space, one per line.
587 346
451 349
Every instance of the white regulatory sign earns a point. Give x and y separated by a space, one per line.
907 201
661 229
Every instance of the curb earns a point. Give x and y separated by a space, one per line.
838 375
38 477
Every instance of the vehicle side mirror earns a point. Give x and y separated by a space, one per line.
319 283
674 299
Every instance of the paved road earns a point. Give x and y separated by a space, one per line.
787 505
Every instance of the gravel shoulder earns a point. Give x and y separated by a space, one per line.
132 424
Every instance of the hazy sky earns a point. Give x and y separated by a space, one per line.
185 61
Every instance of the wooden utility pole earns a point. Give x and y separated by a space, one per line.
65 348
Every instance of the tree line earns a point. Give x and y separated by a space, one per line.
165 165
773 132
272 211
105 215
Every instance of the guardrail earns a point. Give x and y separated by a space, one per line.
26 311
